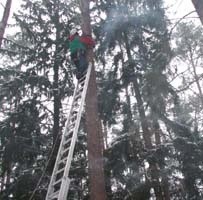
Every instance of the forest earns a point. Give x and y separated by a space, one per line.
141 130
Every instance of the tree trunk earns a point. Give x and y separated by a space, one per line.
93 125
153 166
165 183
144 124
130 124
198 4
57 100
4 20
143 119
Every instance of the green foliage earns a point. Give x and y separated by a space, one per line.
35 77
133 47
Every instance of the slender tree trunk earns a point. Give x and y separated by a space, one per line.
57 99
157 130
4 20
56 104
143 119
129 124
147 139
93 123
165 184
198 4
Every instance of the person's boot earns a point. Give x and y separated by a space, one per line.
78 76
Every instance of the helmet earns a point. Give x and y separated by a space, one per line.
73 31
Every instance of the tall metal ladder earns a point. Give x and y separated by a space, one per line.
59 184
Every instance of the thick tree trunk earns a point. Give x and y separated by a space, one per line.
93 125
198 4
4 20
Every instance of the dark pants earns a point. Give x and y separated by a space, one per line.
80 60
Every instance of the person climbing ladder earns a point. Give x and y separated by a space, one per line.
78 46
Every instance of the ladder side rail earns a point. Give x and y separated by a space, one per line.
49 191
66 181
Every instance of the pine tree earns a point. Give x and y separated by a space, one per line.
141 42
40 77
155 147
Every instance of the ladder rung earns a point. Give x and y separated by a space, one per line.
82 83
77 97
56 182
62 161
71 125
69 132
60 170
74 112
67 141
72 122
64 151
79 90
54 195
76 106
73 117
83 77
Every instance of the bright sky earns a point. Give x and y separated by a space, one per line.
176 8
179 8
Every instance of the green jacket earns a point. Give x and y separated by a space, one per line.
76 44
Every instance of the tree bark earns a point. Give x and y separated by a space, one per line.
198 4
4 20
93 125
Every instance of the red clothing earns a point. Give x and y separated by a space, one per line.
85 39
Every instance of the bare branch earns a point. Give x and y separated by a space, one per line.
180 21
